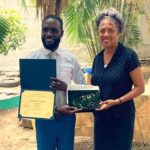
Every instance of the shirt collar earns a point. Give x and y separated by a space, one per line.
48 52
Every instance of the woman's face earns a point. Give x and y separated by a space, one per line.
108 33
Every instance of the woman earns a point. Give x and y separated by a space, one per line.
115 70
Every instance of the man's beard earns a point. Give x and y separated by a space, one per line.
51 47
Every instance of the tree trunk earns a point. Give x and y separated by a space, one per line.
58 7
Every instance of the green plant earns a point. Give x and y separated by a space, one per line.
3 29
80 17
46 7
15 32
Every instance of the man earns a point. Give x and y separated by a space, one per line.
58 133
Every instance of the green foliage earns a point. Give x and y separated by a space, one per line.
132 35
15 33
80 18
80 24
3 29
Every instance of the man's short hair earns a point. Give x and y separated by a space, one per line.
54 17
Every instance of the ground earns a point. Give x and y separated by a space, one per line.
15 137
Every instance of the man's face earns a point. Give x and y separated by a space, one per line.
51 34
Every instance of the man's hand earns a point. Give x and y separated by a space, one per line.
58 84
107 104
67 110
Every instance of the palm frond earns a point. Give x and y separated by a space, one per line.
4 28
80 17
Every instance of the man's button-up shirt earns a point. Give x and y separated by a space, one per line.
67 68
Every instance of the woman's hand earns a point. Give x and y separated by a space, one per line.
58 84
107 104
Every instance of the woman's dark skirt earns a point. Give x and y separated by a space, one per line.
113 133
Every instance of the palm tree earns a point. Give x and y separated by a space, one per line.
79 16
47 7
80 22
4 28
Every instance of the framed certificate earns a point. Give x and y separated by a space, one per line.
37 99
85 97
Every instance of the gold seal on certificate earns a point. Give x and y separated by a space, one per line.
37 104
